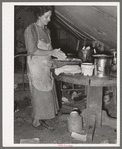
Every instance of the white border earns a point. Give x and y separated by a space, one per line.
8 69
64 3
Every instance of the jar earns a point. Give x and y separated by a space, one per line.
74 122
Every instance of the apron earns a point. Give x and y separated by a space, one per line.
39 68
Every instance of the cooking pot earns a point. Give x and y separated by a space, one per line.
102 65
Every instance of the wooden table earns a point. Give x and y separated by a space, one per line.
95 96
94 93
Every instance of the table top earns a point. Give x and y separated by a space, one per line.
103 81
86 80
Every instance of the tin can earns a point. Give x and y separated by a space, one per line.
102 64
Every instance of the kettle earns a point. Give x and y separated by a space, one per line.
85 54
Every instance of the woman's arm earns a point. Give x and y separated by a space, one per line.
31 40
42 52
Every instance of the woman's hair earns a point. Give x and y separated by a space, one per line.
41 10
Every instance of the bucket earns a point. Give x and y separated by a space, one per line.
102 65
87 69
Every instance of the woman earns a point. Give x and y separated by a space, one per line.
38 44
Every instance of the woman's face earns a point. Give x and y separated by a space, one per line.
44 20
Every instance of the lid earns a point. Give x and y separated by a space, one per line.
73 113
87 64
102 56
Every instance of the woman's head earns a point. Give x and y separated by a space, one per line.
43 13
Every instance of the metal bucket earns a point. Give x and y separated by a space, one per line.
102 65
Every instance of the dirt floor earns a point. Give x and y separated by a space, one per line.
23 125
24 130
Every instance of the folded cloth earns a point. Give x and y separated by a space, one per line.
68 69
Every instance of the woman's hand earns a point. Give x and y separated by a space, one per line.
59 54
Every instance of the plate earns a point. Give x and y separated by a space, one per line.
69 60
75 72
